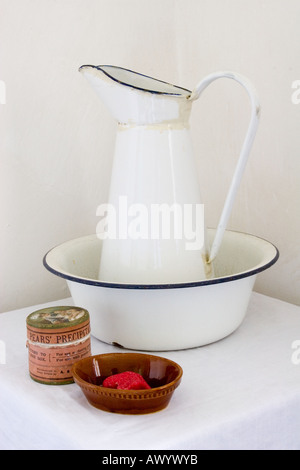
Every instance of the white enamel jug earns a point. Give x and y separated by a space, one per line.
153 229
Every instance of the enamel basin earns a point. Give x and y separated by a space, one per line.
160 317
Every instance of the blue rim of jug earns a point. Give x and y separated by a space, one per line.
217 280
156 92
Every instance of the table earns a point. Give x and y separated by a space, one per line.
240 393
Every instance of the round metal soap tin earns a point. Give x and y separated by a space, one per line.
57 337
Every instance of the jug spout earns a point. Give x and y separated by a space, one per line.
136 99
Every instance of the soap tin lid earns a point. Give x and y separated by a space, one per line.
57 317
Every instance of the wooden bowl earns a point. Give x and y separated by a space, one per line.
161 374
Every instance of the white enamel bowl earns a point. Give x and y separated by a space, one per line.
166 316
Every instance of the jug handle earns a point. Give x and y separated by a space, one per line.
243 157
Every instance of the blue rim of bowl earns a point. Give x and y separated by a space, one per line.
217 280
155 92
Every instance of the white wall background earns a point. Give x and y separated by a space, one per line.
56 137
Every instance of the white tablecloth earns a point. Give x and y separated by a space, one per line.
240 393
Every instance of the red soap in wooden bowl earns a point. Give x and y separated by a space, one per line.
126 381
162 376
